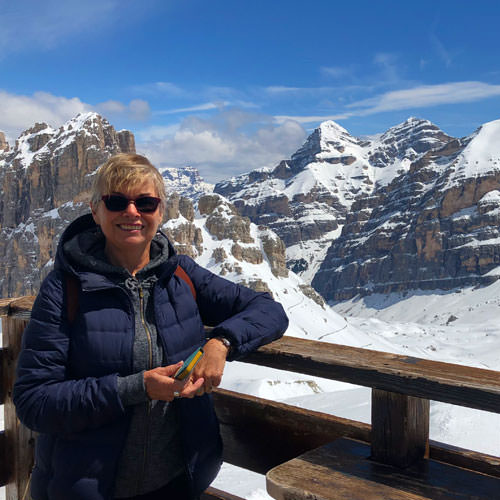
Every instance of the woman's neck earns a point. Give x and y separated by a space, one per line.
132 261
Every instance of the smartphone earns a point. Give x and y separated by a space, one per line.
188 365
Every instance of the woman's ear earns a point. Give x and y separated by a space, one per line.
95 215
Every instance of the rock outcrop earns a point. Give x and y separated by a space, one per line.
4 145
44 182
436 226
235 241
411 208
307 199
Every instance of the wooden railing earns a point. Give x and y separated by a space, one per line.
260 434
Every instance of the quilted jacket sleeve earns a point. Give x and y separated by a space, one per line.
46 399
247 318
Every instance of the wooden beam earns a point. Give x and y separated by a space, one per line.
215 494
21 308
259 434
446 382
2 387
4 306
342 470
20 441
4 462
400 428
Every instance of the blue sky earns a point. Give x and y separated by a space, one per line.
228 86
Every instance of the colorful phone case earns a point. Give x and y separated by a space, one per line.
188 365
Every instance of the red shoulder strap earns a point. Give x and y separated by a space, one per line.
72 290
183 276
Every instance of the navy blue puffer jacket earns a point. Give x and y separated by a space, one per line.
66 387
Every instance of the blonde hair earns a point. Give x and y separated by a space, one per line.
124 171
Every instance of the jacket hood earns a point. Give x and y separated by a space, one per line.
82 240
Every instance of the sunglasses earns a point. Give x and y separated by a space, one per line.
119 203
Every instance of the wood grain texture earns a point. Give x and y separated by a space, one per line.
4 306
446 382
4 462
215 494
259 434
21 308
342 470
400 428
20 441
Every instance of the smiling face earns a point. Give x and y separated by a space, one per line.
129 232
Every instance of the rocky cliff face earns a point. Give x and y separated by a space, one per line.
411 208
186 181
434 226
44 182
229 243
306 200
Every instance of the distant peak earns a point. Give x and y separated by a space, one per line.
330 126
411 126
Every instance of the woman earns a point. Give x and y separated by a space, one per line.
97 383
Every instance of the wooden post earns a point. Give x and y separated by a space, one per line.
20 440
400 428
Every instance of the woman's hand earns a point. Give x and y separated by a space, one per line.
161 385
211 366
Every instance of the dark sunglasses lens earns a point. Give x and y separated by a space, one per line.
147 204
115 203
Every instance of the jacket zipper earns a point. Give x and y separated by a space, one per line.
150 366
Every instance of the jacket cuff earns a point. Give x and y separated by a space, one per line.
131 389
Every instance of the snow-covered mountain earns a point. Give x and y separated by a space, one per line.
435 226
44 181
398 211
186 181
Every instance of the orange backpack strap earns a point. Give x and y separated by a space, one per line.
72 292
183 276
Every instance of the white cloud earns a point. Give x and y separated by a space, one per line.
222 146
311 119
156 88
441 50
137 109
426 96
282 89
199 107
338 72
19 112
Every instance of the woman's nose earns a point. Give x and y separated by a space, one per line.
131 208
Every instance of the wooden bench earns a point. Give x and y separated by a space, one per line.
396 465
260 435
344 470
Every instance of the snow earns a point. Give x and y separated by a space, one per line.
417 324
480 156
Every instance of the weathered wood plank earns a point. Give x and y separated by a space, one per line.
19 440
446 382
4 462
467 459
21 308
259 434
2 387
400 428
4 305
342 470
215 494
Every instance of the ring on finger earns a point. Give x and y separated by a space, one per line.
177 394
